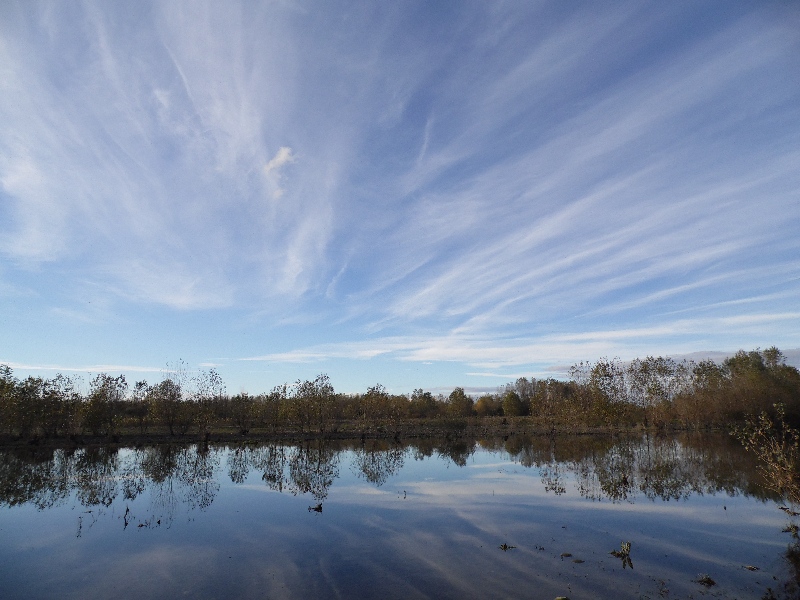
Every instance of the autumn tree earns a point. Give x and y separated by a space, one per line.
608 386
185 410
8 386
208 392
652 386
374 404
27 405
60 406
459 404
758 380
243 412
165 398
423 405
103 409
512 404
272 409
314 402
140 407
488 406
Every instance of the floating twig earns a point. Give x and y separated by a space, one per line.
505 547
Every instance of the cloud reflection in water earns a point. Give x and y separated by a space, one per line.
412 521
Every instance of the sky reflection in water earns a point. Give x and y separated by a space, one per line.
416 521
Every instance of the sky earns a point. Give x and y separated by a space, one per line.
417 194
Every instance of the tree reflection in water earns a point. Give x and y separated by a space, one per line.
96 476
105 491
656 467
149 487
313 468
377 460
272 463
196 471
600 467
309 468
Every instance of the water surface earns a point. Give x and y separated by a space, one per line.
515 518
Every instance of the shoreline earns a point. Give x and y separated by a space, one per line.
438 429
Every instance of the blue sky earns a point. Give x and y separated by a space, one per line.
421 194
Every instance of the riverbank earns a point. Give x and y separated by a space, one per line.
473 428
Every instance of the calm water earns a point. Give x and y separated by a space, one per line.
396 521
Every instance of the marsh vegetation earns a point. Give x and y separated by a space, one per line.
654 393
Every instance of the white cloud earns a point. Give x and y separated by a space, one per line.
273 167
171 284
490 352
283 156
100 368
520 236
467 193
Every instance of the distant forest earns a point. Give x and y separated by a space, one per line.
652 393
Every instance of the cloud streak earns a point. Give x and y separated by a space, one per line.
84 368
676 337
459 186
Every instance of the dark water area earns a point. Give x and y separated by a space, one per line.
515 518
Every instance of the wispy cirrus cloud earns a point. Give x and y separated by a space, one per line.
442 185
100 368
672 337
163 172
650 221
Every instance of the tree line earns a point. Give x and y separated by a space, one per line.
653 392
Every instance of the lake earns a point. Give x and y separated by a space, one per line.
522 517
